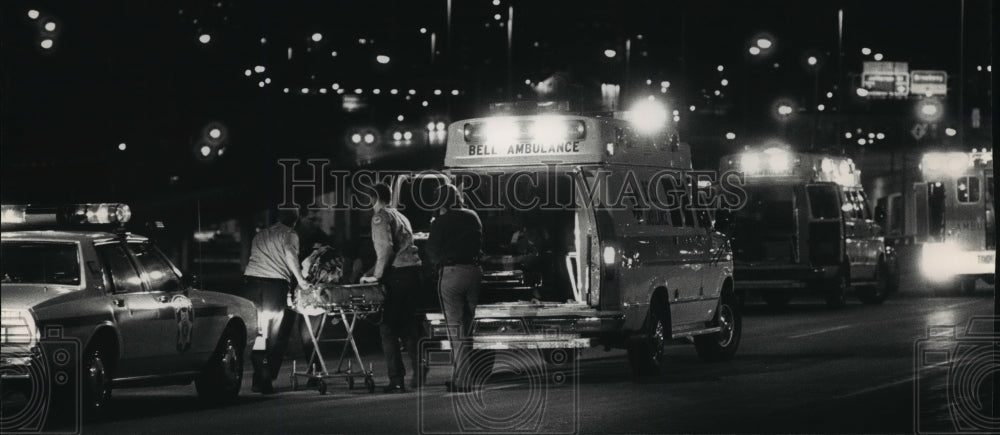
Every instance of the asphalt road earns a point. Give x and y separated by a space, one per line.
803 368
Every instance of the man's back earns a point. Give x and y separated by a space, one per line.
268 250
456 237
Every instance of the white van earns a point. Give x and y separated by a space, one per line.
572 256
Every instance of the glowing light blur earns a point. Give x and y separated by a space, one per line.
33 14
215 133
750 162
382 59
316 37
122 146
356 138
755 50
369 138
939 261
878 56
866 51
205 150
50 26
950 131
205 38
609 53
764 43
500 130
258 69
46 44
648 116
730 135
784 110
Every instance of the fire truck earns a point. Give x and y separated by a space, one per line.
953 213
806 227
569 262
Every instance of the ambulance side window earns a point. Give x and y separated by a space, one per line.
850 209
670 188
822 202
968 189
159 272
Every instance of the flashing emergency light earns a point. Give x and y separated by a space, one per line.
750 162
778 159
541 129
609 255
938 261
13 214
94 213
648 116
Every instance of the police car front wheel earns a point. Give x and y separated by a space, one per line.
222 376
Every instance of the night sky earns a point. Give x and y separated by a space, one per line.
137 73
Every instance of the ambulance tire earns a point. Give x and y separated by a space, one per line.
876 294
836 293
722 345
645 348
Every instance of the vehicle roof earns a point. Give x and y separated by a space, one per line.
67 236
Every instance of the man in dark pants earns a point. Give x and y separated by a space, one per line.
397 267
454 247
273 271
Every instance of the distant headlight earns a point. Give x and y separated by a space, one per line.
18 327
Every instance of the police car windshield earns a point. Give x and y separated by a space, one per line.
31 262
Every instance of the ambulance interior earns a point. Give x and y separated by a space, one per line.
530 250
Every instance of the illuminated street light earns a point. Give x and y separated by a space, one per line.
812 60
382 59
720 68
878 56
755 50
376 91
316 37
862 92
46 44
50 26
497 17
454 92
424 103
880 136
407 135
730 135
664 84
423 30
267 80
871 135
848 135
358 91
821 107
829 95
397 136
215 133
356 138
400 118
691 108
950 131
205 150
369 138
866 51
862 142
305 90
784 110
247 72
321 90
33 14
764 43
609 53
205 38
724 82
258 69
122 146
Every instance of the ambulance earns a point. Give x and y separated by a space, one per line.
806 227
954 215
572 256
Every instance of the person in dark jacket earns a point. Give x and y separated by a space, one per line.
454 247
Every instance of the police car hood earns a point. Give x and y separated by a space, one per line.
20 296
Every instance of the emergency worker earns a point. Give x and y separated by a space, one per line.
454 247
271 273
397 268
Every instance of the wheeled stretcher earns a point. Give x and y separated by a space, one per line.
344 305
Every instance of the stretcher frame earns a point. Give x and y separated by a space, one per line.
347 316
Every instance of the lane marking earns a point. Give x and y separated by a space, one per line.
875 388
821 331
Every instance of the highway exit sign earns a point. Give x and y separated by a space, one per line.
928 83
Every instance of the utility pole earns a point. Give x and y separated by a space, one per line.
961 73
510 49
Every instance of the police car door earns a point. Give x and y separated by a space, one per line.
136 313
181 345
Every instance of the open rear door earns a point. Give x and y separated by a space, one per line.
826 224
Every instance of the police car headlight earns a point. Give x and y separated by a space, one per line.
17 327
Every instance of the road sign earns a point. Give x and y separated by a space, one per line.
919 130
928 83
886 79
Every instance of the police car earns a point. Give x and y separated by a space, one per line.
76 294
807 227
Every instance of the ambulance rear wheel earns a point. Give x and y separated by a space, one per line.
875 294
645 349
722 345
836 293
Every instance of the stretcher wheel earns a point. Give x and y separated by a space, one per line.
321 387
295 382
370 383
350 383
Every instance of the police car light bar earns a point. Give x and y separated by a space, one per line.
13 214
93 213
